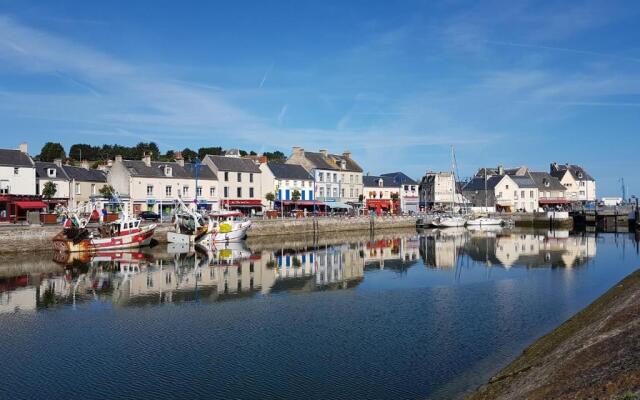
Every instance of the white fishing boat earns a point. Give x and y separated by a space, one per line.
229 226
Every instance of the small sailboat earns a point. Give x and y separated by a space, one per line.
451 220
484 220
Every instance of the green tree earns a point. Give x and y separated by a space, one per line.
276 156
253 153
82 151
50 151
107 191
214 151
189 154
49 190
394 196
243 153
270 198
295 196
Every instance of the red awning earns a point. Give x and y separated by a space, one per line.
553 201
242 202
30 205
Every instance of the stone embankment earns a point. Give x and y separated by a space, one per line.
35 238
594 355
322 225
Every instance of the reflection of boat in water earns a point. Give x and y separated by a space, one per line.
123 233
484 221
225 253
485 228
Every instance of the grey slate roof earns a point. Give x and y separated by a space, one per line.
401 178
138 168
372 181
15 158
351 165
289 171
84 175
545 181
477 183
524 182
43 167
205 171
234 164
579 173
319 161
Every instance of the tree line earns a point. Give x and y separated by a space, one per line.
79 152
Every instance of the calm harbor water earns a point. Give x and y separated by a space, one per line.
402 315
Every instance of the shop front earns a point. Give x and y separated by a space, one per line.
247 207
14 208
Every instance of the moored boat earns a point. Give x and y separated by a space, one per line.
449 221
484 221
124 233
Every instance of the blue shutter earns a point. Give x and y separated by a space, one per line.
287 194
302 193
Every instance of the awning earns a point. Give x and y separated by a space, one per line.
300 202
553 201
253 203
338 204
30 205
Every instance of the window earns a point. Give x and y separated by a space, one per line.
93 189
167 190
342 192
506 186
531 194
239 192
239 176
4 187
581 183
212 191
149 190
320 176
77 188
351 178
226 191
16 171
250 192
198 190
335 192
335 177
51 172
226 176
251 178
522 194
185 190
321 191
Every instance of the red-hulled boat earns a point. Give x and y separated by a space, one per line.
123 233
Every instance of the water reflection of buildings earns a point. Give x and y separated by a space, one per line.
507 249
397 253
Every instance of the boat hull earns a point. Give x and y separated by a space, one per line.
137 239
484 222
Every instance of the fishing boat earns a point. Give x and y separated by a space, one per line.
451 219
191 227
124 233
230 226
194 228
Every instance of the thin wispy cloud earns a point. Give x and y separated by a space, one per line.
266 74
562 49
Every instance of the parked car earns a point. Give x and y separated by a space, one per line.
149 216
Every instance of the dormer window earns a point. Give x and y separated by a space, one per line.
546 182
51 172
580 175
343 164
168 171
16 171
380 182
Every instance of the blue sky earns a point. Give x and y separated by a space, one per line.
397 83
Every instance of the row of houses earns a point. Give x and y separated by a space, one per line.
510 189
310 180
318 181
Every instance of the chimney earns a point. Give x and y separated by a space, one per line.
178 157
84 164
297 151
346 154
147 159
58 162
24 148
324 153
263 159
500 170
118 158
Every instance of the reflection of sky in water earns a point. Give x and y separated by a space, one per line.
408 317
